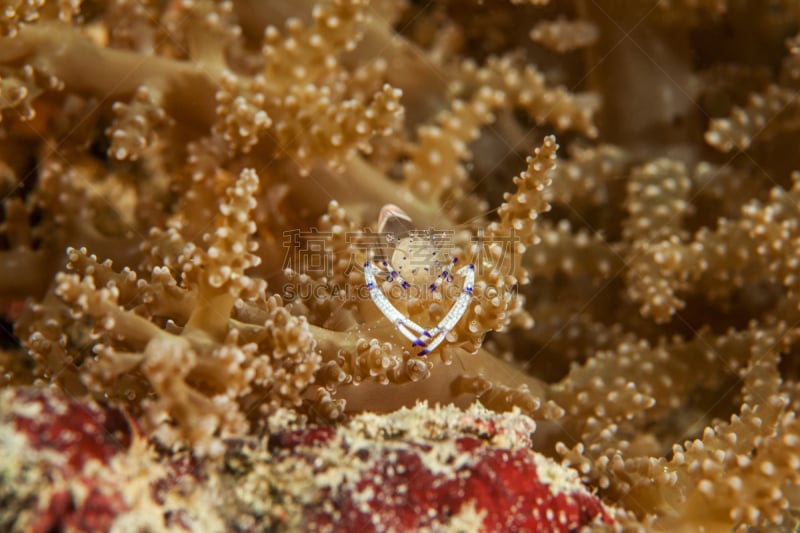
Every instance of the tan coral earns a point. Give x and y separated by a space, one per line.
435 167
733 350
16 12
526 88
521 209
218 271
692 11
325 124
747 123
306 53
19 89
753 494
586 174
135 124
576 253
128 21
564 35
657 203
241 111
205 387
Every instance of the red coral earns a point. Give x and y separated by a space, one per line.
95 513
418 469
61 437
316 436
391 486
77 431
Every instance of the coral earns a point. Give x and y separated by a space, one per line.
520 210
657 202
436 469
15 12
62 441
419 468
564 35
179 366
749 122
441 147
18 90
526 88
133 129
190 192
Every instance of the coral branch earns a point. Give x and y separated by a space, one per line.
747 123
564 35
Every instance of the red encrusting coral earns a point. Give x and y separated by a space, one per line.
427 469
96 512
503 488
77 431
417 469
63 441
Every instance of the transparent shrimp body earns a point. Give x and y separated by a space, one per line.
417 259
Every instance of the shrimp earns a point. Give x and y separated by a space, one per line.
415 261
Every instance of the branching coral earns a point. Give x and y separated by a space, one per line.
17 91
16 13
134 126
564 35
199 365
749 122
215 172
